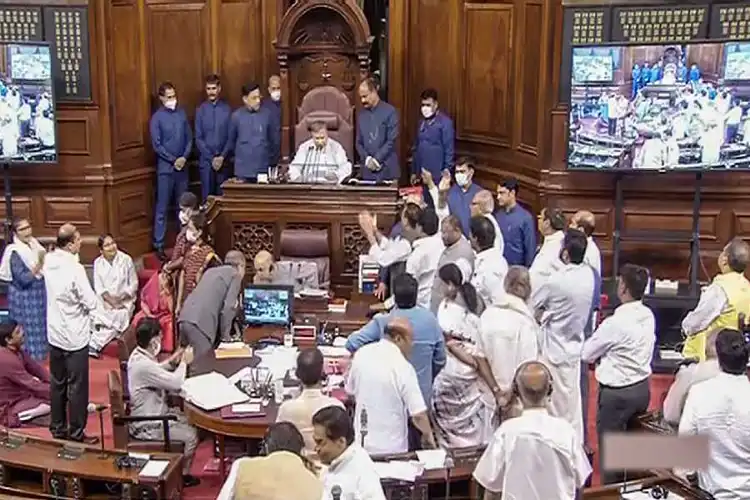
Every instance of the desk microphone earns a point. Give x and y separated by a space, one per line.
316 163
99 409
363 425
305 163
448 466
336 492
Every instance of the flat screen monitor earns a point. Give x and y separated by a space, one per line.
666 107
269 305
27 106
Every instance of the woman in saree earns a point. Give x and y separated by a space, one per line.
197 259
21 267
461 410
157 301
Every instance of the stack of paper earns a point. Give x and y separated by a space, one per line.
400 470
212 391
432 459
154 468
228 350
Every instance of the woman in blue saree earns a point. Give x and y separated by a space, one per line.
21 268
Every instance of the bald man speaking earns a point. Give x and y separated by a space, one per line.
484 204
534 456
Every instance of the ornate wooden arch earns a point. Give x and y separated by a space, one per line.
324 31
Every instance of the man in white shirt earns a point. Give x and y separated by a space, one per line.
350 468
508 336
551 224
427 248
320 159
389 251
622 347
564 304
720 409
484 204
387 394
733 118
689 374
490 266
70 301
583 220
535 456
301 409
456 247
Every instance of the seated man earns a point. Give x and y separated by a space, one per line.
300 275
349 466
299 411
534 456
116 287
148 382
320 159
24 384
282 472
213 305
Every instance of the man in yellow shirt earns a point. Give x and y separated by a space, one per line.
721 302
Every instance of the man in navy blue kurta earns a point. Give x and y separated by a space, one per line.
211 135
517 225
273 107
172 141
377 135
251 137
458 197
434 146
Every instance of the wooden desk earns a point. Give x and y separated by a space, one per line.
34 470
251 217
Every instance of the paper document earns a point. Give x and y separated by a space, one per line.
246 408
400 470
242 373
432 459
313 292
212 391
329 351
154 468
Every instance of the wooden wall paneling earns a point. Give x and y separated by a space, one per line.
399 62
528 72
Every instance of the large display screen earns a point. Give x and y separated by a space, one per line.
27 106
268 305
666 107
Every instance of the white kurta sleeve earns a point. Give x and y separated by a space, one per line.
343 165
295 167
99 281
490 470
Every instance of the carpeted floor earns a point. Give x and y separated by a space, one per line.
210 482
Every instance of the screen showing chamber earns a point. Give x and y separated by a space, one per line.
666 107
27 107
268 306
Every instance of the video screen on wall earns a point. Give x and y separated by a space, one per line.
660 107
27 107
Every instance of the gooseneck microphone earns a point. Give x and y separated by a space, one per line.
303 173
336 492
363 425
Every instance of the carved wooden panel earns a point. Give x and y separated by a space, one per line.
252 237
180 29
59 210
397 490
316 70
319 27
484 112
76 488
306 226
2 475
354 244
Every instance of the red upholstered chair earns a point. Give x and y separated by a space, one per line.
308 245
332 107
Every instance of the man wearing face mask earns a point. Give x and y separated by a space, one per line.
455 199
434 145
70 302
377 135
211 135
149 381
252 137
172 139
273 107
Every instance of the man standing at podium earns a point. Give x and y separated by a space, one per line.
273 107
251 137
320 159
377 134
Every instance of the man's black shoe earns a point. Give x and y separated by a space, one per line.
189 481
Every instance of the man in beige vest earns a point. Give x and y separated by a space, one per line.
721 302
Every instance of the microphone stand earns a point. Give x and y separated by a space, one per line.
303 173
103 455
363 426
316 165
448 466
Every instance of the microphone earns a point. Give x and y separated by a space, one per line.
304 163
316 163
336 492
363 425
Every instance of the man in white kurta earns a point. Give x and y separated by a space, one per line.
484 204
320 159
490 266
551 224
535 456
116 287
564 303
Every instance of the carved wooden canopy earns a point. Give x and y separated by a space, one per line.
311 26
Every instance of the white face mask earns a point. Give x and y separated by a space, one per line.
184 218
170 104
462 178
191 236
427 111
276 95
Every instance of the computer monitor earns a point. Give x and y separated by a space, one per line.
269 305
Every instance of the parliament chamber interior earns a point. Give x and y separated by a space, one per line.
222 215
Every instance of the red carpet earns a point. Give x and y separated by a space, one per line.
210 483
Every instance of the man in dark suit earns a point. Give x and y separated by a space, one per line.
212 306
